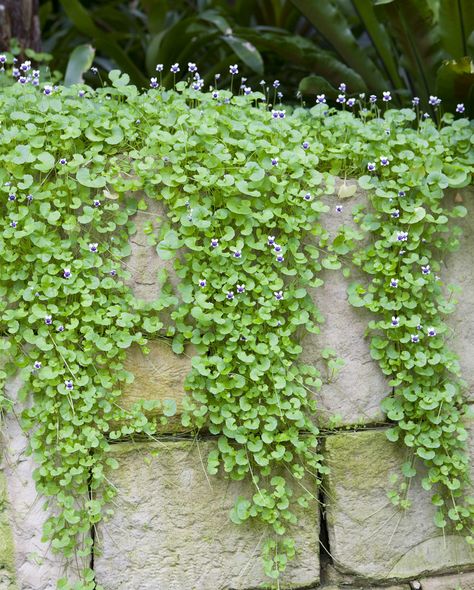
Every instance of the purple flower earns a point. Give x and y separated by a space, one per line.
460 108
237 254
351 102
215 94
434 101
81 93
174 68
387 131
230 295
94 70
280 258
67 273
395 321
69 384
22 80
47 90
93 247
240 288
371 166
275 114
307 197
278 295
3 59
339 208
426 269
372 98
48 320
247 90
192 67
402 236
419 327
159 67
13 223
431 332
276 83
154 83
415 101
276 248
320 98
37 365
394 283
305 145
386 96
342 87
341 99
234 69
198 84
113 273
271 240
426 115
280 95
214 242
396 213
401 193
274 161
63 161
11 197
384 161
96 203
415 338
202 283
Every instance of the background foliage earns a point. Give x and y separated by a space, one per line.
412 47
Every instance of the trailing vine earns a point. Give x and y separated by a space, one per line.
242 185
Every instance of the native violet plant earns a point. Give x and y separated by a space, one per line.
242 180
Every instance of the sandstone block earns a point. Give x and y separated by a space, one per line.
171 528
368 536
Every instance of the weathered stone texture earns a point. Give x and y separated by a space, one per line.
370 537
37 568
171 527
159 376
459 270
355 393
458 581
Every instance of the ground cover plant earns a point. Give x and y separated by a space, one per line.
242 182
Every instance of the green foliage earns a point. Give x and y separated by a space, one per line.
241 188
418 47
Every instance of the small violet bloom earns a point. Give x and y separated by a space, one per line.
386 96
274 161
415 101
215 94
37 365
276 248
402 236
113 273
384 161
159 67
69 384
415 338
321 99
237 254
342 87
154 82
351 102
47 90
48 320
175 68
401 193
434 101
234 69
192 67
371 166
280 258
60 328
395 321
240 288
341 99
67 273
372 98
13 223
63 161
307 197
394 283
460 108
305 145
426 269
230 295
278 295
214 242
271 240
276 83
96 203
11 197
202 283
396 213
431 332
339 208
93 247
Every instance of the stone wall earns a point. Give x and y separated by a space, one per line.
170 529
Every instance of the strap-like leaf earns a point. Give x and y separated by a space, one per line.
456 21
79 62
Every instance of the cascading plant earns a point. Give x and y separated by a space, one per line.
242 185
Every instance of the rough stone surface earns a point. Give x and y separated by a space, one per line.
159 376
459 581
171 527
37 568
368 536
7 551
144 264
354 395
460 271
